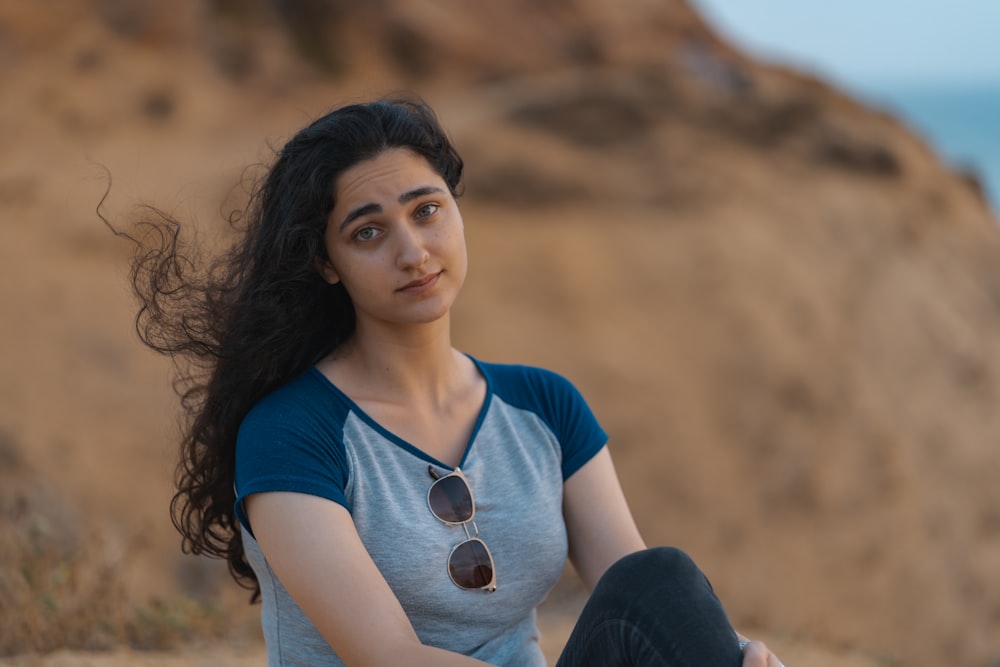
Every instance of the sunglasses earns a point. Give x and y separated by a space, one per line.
450 500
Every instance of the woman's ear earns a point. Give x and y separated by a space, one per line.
325 269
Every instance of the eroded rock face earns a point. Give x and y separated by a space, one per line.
781 305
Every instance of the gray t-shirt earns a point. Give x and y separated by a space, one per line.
533 432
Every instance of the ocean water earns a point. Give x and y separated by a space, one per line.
961 122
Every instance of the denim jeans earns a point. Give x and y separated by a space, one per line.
653 608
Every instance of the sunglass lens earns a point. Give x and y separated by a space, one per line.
470 565
451 500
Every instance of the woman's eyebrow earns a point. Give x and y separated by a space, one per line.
358 212
419 192
407 196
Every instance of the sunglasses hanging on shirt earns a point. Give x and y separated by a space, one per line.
450 499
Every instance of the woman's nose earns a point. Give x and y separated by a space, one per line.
412 251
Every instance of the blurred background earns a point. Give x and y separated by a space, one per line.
760 237
936 66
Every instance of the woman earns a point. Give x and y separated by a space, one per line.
392 500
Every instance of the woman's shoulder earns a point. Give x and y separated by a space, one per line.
306 394
554 400
523 384
513 373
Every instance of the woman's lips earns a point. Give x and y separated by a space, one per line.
420 284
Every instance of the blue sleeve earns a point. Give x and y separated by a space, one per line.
559 404
291 441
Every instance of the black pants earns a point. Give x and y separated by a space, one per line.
653 608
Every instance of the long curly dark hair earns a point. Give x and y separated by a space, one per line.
246 322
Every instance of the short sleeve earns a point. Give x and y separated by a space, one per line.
574 423
559 404
292 441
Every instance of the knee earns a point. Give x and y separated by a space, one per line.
655 560
652 568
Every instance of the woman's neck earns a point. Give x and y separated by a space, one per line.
399 365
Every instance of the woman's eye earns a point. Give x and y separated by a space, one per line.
366 234
427 210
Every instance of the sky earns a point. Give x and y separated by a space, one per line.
869 42
936 63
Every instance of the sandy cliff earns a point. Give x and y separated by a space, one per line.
780 303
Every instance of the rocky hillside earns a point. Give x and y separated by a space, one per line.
779 302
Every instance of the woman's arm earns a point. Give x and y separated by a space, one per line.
601 530
598 521
314 548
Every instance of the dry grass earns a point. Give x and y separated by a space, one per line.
57 590
60 581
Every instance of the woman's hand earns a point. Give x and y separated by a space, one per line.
757 654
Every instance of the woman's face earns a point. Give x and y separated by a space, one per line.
396 241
